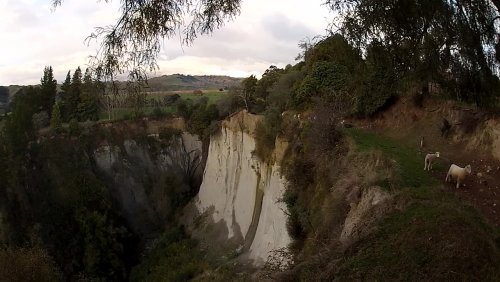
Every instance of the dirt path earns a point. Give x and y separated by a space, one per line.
482 187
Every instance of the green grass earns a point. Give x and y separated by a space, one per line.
212 95
126 113
434 237
407 160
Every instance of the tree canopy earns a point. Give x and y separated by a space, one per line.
428 39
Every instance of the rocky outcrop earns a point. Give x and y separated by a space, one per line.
372 205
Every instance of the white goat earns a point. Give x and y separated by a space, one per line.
458 173
429 158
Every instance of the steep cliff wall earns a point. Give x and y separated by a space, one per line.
145 176
239 198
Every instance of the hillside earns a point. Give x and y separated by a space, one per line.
176 82
473 139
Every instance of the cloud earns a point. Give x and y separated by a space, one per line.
21 15
266 33
283 28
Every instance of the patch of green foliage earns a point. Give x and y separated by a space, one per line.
434 238
175 257
310 167
266 132
156 109
324 77
199 115
375 83
31 264
408 162
51 196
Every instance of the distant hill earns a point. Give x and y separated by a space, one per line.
176 82
12 89
6 94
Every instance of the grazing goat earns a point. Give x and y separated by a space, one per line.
429 158
458 173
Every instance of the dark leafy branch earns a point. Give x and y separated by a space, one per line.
132 45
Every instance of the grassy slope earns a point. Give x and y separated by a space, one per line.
433 238
188 82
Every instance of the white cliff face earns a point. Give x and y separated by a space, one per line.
241 192
271 232
230 181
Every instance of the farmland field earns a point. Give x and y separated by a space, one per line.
125 113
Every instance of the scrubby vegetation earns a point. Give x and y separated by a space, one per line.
59 221
175 257
415 241
429 236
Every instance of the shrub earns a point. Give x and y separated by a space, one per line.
230 103
40 120
56 121
174 258
171 99
169 133
266 132
158 112
74 127
377 81
324 78
27 264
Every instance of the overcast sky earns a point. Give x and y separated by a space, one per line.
266 33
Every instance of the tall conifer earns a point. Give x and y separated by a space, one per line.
48 89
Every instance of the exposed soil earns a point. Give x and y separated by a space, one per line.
482 188
408 123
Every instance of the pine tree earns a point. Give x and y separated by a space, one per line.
73 96
65 87
56 121
48 90
67 82
88 107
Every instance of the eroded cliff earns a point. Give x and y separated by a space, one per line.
238 206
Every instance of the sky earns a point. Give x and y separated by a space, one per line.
34 35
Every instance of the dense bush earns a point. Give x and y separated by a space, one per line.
167 134
74 127
199 115
52 195
324 78
175 257
27 264
40 120
266 132
377 81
